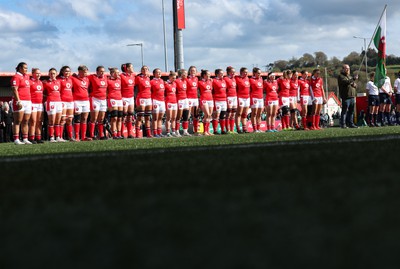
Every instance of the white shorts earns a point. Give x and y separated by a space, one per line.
144 102
54 107
172 106
68 105
26 106
81 107
98 104
244 102
232 101
209 103
285 101
220 106
158 106
114 103
318 100
37 107
183 104
306 100
257 103
272 103
193 102
292 100
128 101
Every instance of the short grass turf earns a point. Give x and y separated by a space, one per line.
331 205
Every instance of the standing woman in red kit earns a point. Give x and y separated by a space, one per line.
114 103
306 97
220 105
293 98
231 99
67 99
193 98
35 123
243 94
271 101
206 99
143 102
157 95
283 92
21 102
53 103
317 86
256 99
127 91
171 104
98 101
183 104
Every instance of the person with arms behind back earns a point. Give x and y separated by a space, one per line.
347 92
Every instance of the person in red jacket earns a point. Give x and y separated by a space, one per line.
80 92
114 104
306 97
231 99
52 98
21 102
127 91
256 99
98 101
294 98
206 99
157 95
271 101
283 92
220 104
183 103
143 102
243 94
171 104
193 98
35 123
317 86
68 100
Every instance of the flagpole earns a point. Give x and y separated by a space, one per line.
372 38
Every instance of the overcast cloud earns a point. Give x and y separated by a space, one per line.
219 33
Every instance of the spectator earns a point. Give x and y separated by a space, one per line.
347 92
6 122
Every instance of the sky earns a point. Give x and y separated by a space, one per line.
218 33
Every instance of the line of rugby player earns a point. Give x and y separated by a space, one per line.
76 104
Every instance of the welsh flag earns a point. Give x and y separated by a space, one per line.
380 44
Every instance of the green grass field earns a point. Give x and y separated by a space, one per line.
325 199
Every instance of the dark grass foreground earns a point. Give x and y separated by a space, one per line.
333 205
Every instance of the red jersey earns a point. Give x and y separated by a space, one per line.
144 86
294 87
80 88
284 87
243 87
304 87
205 87
256 88
127 85
219 89
114 89
23 84
271 89
157 89
316 85
181 87
98 86
230 86
36 89
52 90
191 91
170 92
66 89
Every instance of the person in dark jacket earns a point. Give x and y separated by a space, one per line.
6 122
347 92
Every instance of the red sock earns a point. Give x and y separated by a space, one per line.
69 130
185 125
215 125
195 125
100 126
114 134
83 130
24 136
317 119
159 131
119 134
91 129
16 137
57 130
207 127
77 127
148 131
31 137
129 127
51 130
177 126
283 122
304 122
38 137
222 123
232 124
287 121
258 126
122 128
137 131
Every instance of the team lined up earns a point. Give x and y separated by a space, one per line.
71 99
